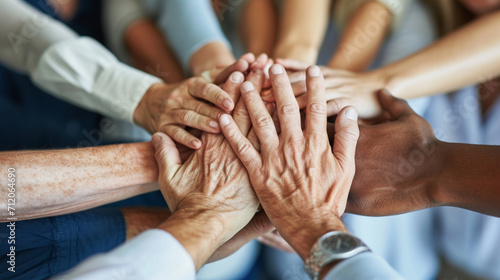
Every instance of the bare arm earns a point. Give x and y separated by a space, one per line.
150 51
357 47
49 183
467 56
303 26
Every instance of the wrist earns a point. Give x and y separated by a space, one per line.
211 56
200 232
304 235
142 113
306 53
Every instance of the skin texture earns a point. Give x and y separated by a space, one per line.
58 182
258 26
211 189
151 53
352 56
402 167
301 184
444 66
171 108
302 29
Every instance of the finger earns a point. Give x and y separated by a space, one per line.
291 64
334 106
203 109
221 75
241 117
286 104
232 85
346 138
261 119
256 77
195 120
397 108
181 136
260 62
166 154
202 89
249 57
240 144
316 108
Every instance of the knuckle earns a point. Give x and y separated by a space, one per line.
317 108
289 109
262 121
177 133
205 90
184 117
243 147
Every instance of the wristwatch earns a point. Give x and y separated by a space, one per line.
331 247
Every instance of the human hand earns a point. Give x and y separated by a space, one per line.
210 188
392 160
170 108
343 88
301 184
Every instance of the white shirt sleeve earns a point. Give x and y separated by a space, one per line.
365 266
154 254
76 69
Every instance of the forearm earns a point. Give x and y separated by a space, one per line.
357 47
50 183
467 56
151 53
210 56
303 27
469 178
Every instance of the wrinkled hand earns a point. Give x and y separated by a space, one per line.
343 88
301 184
391 160
170 108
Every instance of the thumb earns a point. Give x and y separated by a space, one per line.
396 107
346 137
166 154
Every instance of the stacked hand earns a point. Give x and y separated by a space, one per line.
172 108
343 88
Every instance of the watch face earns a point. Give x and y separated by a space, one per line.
340 243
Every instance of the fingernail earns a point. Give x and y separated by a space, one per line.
236 77
224 120
228 104
314 71
213 124
247 86
156 140
351 114
262 56
277 69
196 143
